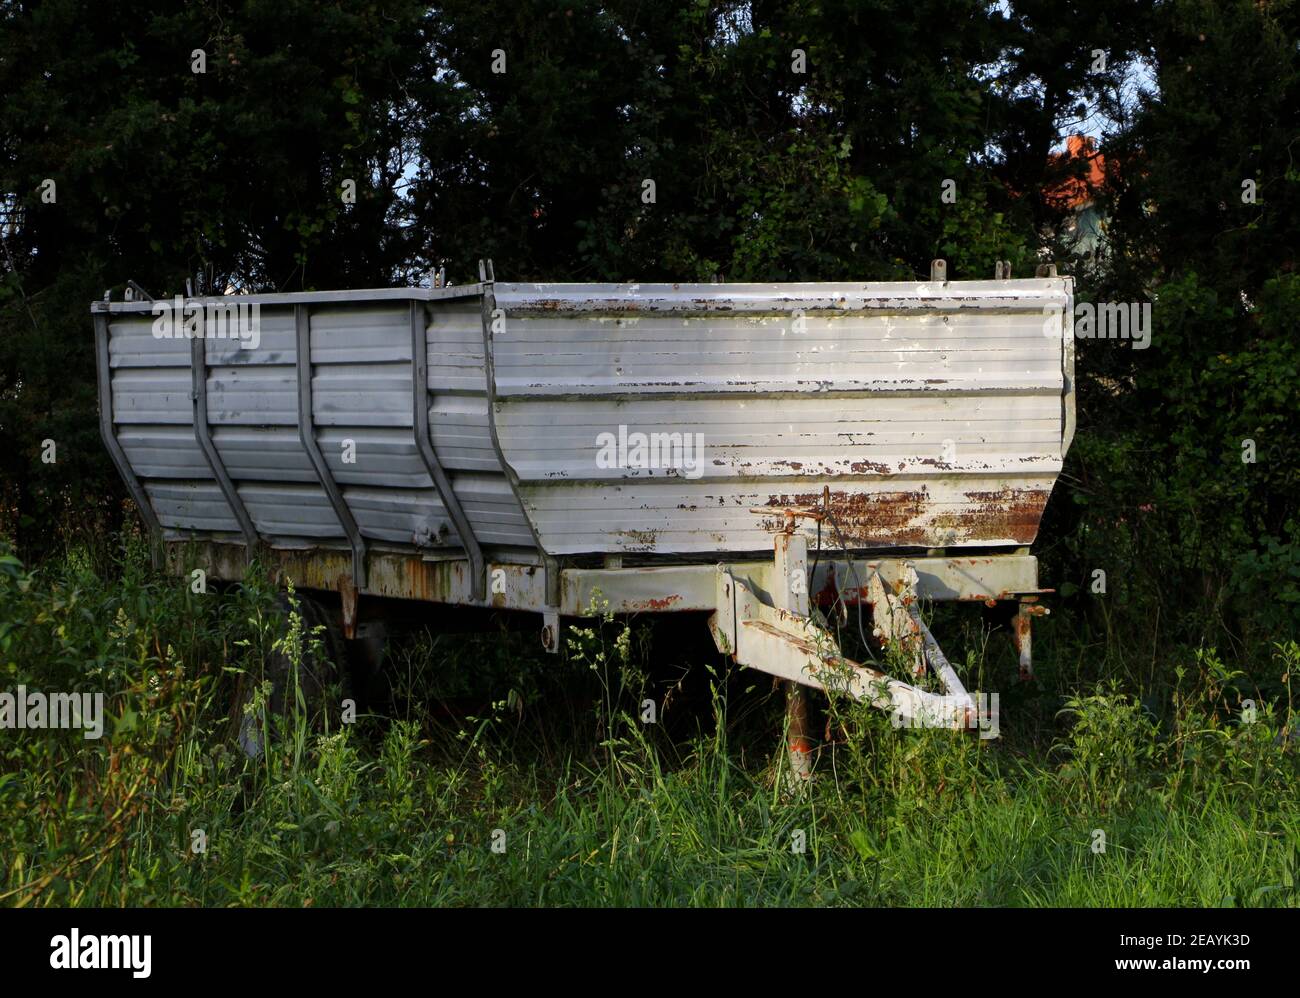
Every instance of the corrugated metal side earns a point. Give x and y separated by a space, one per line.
362 397
458 423
153 414
253 410
933 412
361 392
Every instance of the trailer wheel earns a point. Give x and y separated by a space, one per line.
321 674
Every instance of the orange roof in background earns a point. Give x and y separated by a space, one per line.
1074 191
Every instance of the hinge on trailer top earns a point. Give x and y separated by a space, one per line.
136 293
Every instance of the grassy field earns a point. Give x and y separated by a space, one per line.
495 775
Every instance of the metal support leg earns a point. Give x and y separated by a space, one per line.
1022 635
790 585
798 740
349 597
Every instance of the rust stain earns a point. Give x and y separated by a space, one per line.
1008 512
640 540
879 519
827 594
1021 628
655 603
908 518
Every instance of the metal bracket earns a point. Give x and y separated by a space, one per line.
939 271
203 434
108 431
424 445
790 593
794 647
136 293
551 630
307 434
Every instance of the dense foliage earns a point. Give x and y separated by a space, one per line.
785 141
645 140
490 742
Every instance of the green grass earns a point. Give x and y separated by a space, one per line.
589 805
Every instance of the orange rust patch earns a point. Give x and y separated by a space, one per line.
1013 513
907 518
875 519
826 595
662 603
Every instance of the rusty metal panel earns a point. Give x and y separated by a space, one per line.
935 413
648 589
652 418
690 517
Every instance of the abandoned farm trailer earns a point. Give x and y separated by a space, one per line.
503 445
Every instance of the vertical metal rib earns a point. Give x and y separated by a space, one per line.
203 434
109 432
1067 368
307 434
487 278
424 445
